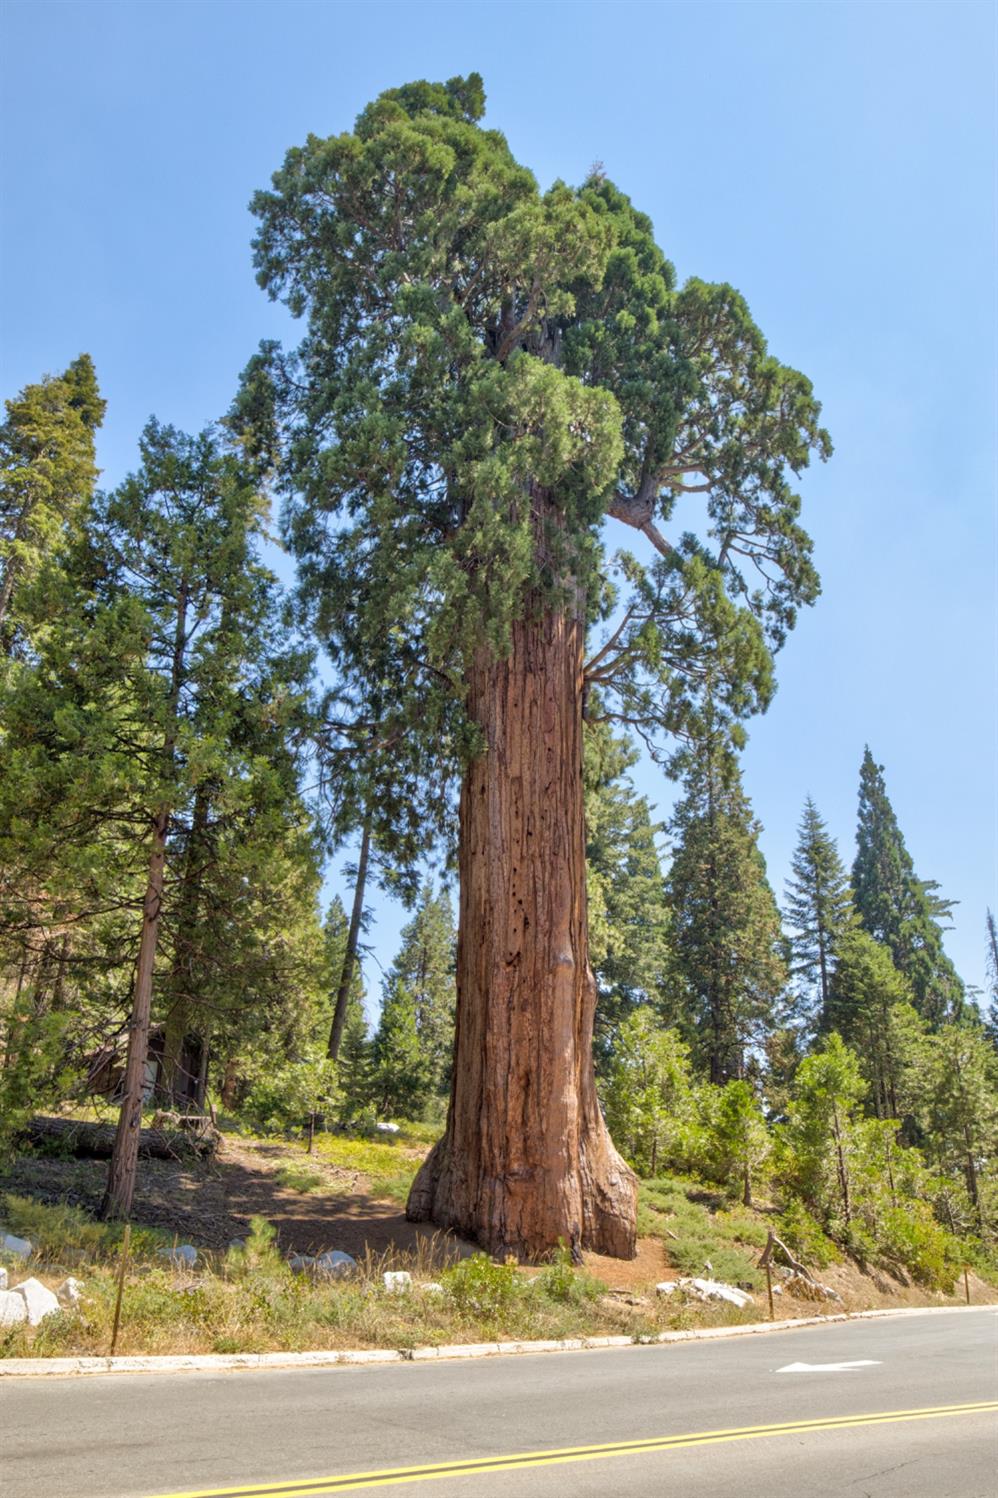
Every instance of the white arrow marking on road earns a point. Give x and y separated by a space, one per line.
830 1367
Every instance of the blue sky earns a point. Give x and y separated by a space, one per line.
835 162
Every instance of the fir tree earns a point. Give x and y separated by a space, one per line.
992 976
897 908
424 967
726 926
400 1074
819 910
869 1004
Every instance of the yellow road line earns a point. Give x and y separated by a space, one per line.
350 1482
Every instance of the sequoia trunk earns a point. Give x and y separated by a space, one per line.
526 1160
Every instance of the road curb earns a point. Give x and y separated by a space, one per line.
232 1362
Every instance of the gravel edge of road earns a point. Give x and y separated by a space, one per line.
225 1362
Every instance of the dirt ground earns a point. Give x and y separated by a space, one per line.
211 1204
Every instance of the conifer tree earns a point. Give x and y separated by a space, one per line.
47 475
400 1073
628 905
728 941
869 1004
897 908
488 371
992 973
819 909
424 967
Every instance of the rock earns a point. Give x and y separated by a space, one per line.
38 1301
777 1289
386 1128
335 1264
666 1287
298 1263
69 1293
3 1278
714 1290
397 1281
13 1310
184 1254
19 1247
431 1287
236 1243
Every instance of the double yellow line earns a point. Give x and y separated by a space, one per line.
351 1482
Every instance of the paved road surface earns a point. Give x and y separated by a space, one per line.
132 1436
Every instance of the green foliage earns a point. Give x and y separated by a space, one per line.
627 910
283 1096
801 1233
401 1079
727 936
819 911
869 1005
647 1093
677 1210
480 1287
563 1283
258 1257
424 970
898 909
737 1140
296 1178
64 1235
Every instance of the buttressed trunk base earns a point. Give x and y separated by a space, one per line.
526 1161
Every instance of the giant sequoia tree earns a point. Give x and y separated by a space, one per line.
487 372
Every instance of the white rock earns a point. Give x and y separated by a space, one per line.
335 1264
13 1310
38 1301
11 1244
714 1290
69 1293
300 1262
777 1289
397 1281
432 1287
666 1287
386 1128
3 1278
184 1253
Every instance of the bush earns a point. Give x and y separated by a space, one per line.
800 1232
561 1282
482 1288
910 1236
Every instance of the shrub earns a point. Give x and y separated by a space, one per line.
561 1282
802 1233
480 1287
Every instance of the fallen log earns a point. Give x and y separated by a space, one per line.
96 1140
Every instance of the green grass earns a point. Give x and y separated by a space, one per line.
699 1226
297 1178
250 1301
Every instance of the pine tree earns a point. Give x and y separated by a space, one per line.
648 1093
869 1004
400 1075
488 371
822 1130
897 908
819 910
424 967
628 906
959 1107
726 926
47 475
992 972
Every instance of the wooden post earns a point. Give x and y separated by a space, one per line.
311 1132
966 1284
121 1286
769 1290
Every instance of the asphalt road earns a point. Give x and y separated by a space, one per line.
495 1425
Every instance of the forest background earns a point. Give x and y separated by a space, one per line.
833 162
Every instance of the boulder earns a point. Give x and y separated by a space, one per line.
397 1281
666 1287
13 1310
432 1287
69 1293
39 1302
386 1128
335 1264
298 1263
185 1254
19 1247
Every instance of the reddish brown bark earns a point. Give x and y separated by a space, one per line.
526 1159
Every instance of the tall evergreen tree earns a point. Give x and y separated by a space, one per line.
728 941
819 910
897 908
628 905
424 968
487 372
869 1004
991 959
400 1074
47 475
